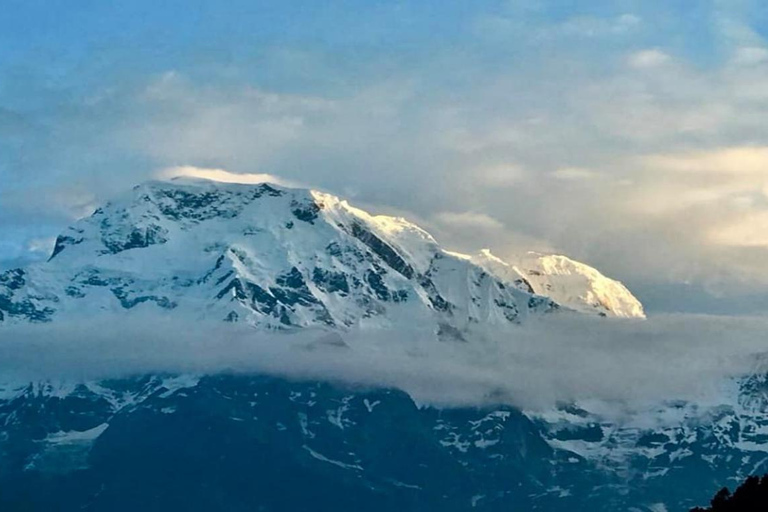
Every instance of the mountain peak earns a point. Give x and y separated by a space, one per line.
568 282
269 255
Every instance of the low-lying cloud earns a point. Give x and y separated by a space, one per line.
547 361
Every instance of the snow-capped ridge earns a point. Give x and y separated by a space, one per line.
271 256
570 283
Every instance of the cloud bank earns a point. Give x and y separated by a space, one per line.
554 360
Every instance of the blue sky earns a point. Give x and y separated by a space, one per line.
628 134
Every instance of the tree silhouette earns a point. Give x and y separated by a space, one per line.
751 496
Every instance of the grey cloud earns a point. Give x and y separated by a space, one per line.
535 366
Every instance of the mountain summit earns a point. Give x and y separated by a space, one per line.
278 258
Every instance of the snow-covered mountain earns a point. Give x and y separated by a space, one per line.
279 258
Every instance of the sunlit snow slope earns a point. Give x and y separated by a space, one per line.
570 283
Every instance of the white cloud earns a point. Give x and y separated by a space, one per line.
221 175
498 175
41 245
646 59
518 21
574 174
590 26
628 20
243 125
467 231
731 182
69 201
748 230
750 55
736 29
469 221
737 161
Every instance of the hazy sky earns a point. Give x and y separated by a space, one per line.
628 134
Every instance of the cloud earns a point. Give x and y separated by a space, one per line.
726 188
590 26
531 23
733 160
535 366
748 230
221 175
239 125
646 59
499 175
736 29
469 221
465 231
750 55
43 246
574 174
